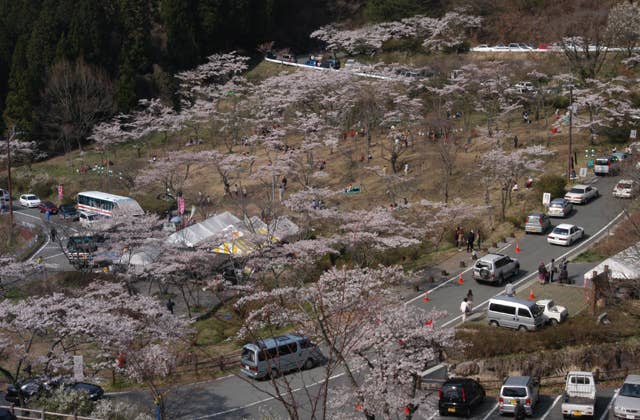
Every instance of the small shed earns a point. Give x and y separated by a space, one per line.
625 265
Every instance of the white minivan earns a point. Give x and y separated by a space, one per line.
274 356
511 312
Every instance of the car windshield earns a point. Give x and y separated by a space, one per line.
577 190
557 205
30 197
534 218
248 355
561 231
514 391
630 390
624 185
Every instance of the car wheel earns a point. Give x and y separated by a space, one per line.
443 413
308 364
516 271
467 412
522 328
501 280
494 324
275 373
553 321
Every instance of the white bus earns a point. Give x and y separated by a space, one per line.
97 202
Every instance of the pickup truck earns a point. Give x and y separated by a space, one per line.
579 397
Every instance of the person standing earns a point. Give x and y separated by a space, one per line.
460 238
170 305
510 290
456 234
553 269
47 215
543 274
470 300
470 239
464 308
53 233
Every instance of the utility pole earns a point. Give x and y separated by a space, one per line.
570 161
12 134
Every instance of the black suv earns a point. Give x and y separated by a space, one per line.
459 396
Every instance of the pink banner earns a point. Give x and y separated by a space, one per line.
181 205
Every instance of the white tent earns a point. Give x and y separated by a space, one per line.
205 230
623 265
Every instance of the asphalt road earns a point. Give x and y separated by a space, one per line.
234 398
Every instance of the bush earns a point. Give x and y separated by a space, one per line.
118 410
63 400
553 184
560 102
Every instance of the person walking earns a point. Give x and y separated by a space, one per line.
464 308
170 305
564 274
470 300
471 237
47 215
553 269
456 235
53 233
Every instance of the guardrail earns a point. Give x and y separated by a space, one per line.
289 63
194 364
30 414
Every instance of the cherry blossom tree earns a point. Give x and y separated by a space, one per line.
104 320
623 22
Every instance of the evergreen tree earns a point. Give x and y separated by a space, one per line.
126 86
19 103
181 24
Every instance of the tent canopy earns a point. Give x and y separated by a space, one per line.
623 265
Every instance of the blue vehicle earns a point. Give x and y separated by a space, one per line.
312 63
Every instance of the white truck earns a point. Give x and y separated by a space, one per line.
579 397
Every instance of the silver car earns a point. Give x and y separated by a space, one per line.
559 207
537 223
627 403
495 268
581 194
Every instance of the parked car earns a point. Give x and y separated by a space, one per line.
580 194
552 313
68 211
4 195
565 234
88 219
537 223
482 47
511 312
277 355
626 188
525 86
606 166
559 207
522 389
620 155
45 206
94 392
495 268
459 396
29 200
579 397
5 414
626 405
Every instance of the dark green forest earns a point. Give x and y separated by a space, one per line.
129 49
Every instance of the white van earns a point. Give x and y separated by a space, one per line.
88 219
510 312
274 356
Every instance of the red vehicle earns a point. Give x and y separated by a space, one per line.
48 205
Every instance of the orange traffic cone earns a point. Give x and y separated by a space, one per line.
460 281
531 295
426 297
517 247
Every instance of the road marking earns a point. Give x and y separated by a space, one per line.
546 413
526 279
231 410
421 295
495 407
606 411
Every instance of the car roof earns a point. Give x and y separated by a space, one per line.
510 299
626 180
491 257
559 199
537 214
580 186
272 342
517 381
565 226
632 379
543 301
457 381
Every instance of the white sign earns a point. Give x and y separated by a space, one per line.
78 368
583 172
546 199
633 134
